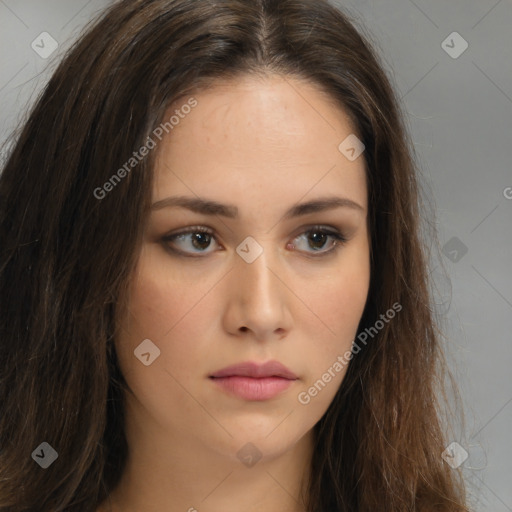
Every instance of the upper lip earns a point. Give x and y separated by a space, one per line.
255 370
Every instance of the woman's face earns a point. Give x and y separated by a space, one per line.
268 282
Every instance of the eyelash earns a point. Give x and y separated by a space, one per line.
338 237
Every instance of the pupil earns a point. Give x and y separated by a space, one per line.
316 237
197 237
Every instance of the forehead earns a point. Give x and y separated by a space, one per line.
255 133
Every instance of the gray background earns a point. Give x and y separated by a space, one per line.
459 112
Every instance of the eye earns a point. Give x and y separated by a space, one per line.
317 238
199 239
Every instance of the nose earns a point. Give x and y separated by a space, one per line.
258 298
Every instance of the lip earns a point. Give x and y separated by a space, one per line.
253 381
255 370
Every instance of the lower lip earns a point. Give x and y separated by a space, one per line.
250 388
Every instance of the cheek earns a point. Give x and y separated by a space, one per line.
342 301
162 296
338 303
339 298
160 309
155 304
328 350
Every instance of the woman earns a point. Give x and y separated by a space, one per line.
285 356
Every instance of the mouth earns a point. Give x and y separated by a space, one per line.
254 382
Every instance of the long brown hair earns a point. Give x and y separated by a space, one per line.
66 255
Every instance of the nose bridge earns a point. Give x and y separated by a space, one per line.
257 276
257 285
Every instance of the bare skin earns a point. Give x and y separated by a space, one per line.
263 145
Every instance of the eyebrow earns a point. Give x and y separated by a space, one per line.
210 207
